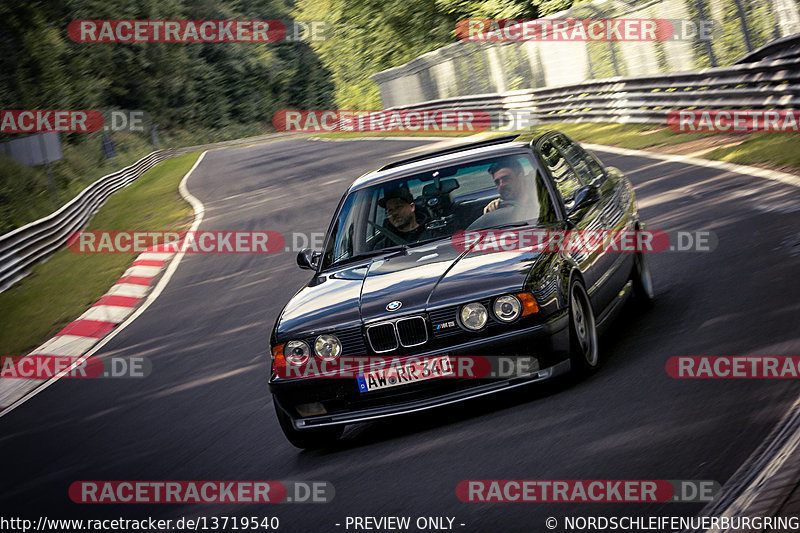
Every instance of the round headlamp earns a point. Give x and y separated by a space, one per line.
507 308
296 352
327 347
474 316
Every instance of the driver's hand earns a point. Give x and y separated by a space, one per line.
494 204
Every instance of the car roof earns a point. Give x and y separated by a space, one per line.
495 146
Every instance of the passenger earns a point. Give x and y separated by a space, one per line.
509 180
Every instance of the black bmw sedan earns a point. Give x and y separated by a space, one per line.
441 272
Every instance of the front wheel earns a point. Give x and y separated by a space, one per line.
643 292
307 439
584 352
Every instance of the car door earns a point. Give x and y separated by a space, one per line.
566 181
608 215
571 169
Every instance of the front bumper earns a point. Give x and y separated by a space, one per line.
414 406
344 404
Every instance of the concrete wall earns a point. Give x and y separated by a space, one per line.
468 68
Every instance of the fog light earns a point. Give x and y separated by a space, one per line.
474 316
327 347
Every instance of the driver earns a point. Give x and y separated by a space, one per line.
402 217
508 178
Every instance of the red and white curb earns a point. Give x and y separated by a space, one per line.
123 302
88 329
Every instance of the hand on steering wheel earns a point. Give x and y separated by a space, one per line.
389 233
498 203
491 206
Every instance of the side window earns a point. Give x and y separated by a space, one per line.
586 166
595 168
565 179
345 233
376 213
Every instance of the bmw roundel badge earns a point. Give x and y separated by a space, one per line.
394 306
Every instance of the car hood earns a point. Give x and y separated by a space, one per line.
429 276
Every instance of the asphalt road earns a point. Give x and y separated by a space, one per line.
204 413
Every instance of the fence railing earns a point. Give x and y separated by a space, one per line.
646 99
23 247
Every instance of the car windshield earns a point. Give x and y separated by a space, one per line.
437 203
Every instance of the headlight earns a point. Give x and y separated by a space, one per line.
296 352
507 308
327 347
474 316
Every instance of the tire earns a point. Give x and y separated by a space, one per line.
584 351
307 439
643 293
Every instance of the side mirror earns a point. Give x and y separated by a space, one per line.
584 197
307 259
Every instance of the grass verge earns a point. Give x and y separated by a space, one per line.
633 136
766 149
59 290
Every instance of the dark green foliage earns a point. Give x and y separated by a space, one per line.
179 85
197 93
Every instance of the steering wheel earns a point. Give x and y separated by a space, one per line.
388 233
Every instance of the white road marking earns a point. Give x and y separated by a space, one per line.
774 175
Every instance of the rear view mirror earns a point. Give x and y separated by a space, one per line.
445 187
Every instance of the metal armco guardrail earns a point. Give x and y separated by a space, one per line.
23 247
646 99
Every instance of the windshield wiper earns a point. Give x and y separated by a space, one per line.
426 241
372 253
510 225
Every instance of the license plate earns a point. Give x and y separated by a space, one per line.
405 373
